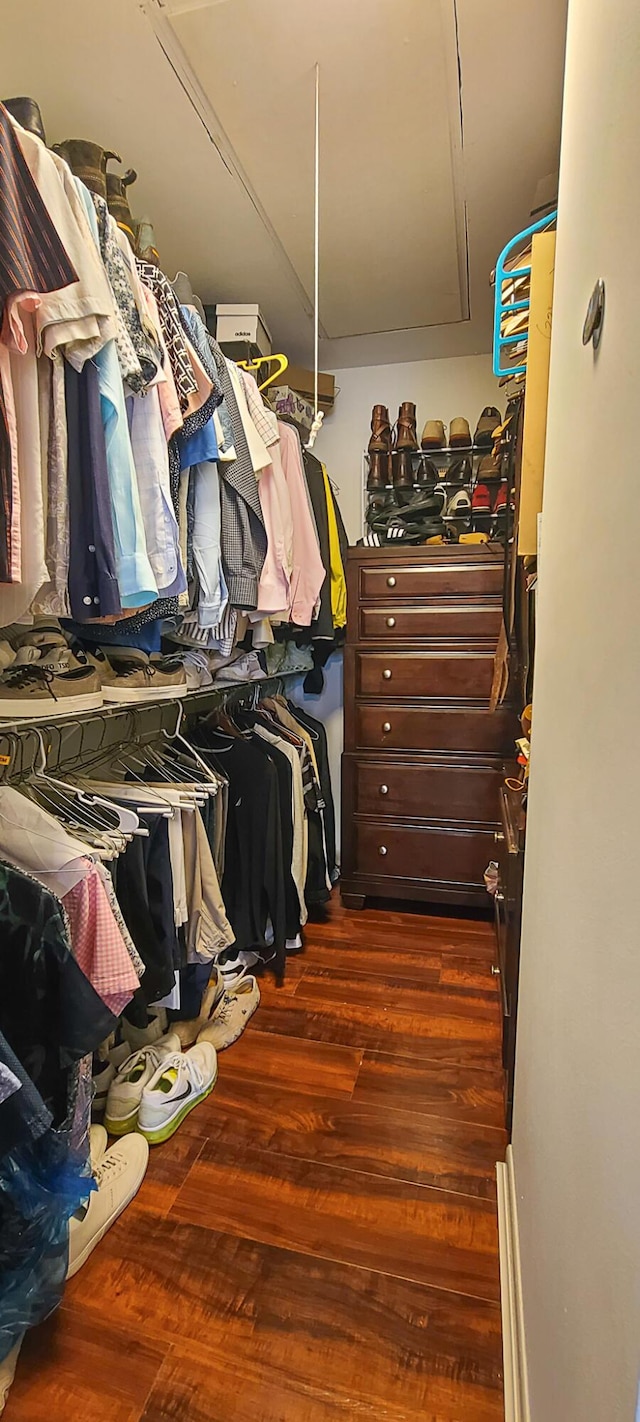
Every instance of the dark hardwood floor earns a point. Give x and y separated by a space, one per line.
318 1242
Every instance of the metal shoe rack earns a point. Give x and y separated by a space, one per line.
443 458
59 744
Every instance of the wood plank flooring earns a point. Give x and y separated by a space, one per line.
318 1242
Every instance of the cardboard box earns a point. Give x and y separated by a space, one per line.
286 401
236 322
302 380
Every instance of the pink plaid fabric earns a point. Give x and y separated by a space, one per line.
97 943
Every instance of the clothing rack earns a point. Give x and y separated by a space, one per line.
66 743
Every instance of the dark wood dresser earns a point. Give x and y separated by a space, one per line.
423 755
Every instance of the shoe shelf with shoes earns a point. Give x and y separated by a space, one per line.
398 469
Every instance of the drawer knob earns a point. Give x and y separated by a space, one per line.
386 725
382 850
387 674
391 582
384 789
495 971
391 622
498 837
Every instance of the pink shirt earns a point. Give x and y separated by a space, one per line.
308 571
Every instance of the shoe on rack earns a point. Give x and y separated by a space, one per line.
488 468
232 1014
119 1176
381 441
433 436
487 423
45 632
125 1092
460 471
500 501
187 1031
137 678
32 691
180 1083
439 493
459 434
481 500
378 476
406 433
427 474
459 505
402 466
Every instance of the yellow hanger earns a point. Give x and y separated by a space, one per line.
283 362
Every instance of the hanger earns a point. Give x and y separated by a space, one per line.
283 364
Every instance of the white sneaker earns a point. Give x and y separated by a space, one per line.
232 1014
180 1083
145 1036
189 1030
98 1142
125 1092
119 1177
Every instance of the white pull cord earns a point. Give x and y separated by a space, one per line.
318 415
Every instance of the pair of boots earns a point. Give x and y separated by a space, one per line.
88 161
397 469
382 439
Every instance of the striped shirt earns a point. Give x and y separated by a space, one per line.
32 258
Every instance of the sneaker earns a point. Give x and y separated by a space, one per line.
137 678
232 1014
119 1176
145 1036
433 435
98 1142
125 1092
180 1083
459 434
34 691
481 500
500 502
187 1031
102 1079
488 422
45 632
459 505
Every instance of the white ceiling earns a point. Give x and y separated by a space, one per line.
421 182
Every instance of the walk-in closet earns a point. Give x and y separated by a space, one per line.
318 682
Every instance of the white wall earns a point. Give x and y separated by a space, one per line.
576 1133
441 389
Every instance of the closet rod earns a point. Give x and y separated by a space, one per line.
67 741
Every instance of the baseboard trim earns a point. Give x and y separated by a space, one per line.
516 1392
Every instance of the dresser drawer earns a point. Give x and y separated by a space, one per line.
444 621
425 789
404 852
441 674
451 728
391 580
